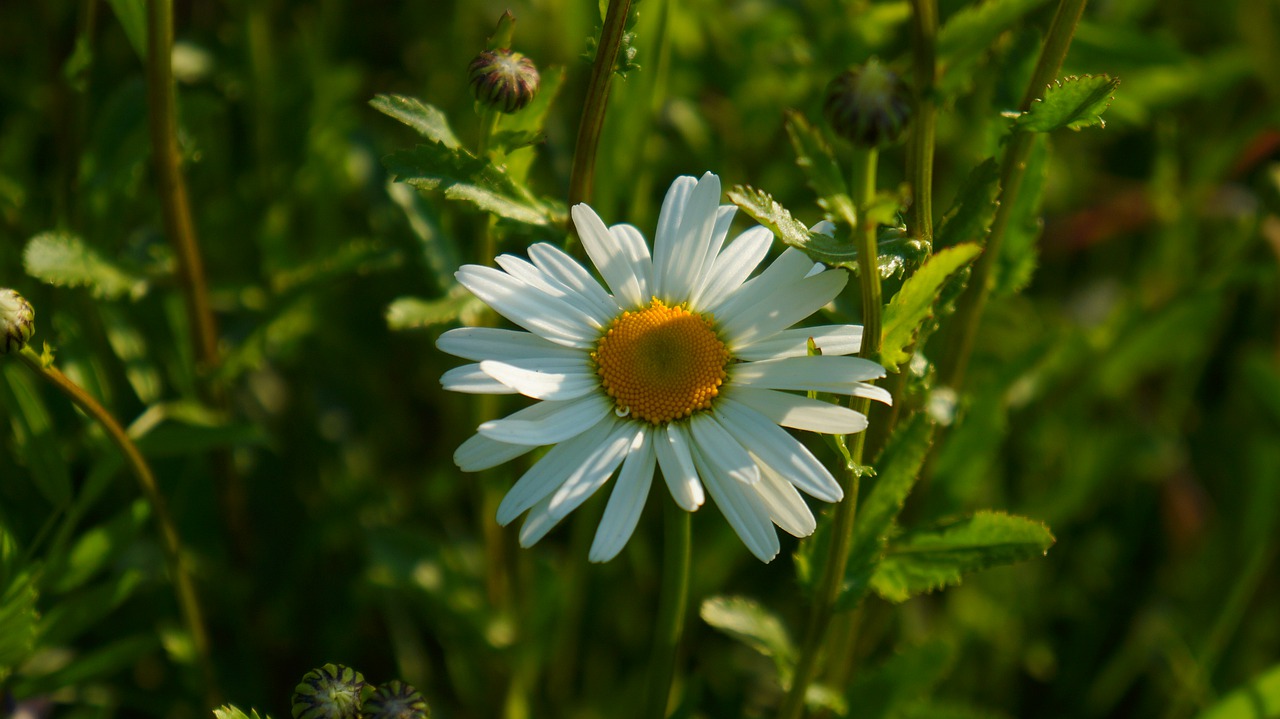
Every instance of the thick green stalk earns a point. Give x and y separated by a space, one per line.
676 559
582 179
1014 166
920 147
188 601
832 578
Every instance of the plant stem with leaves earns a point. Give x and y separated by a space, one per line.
184 588
1013 168
832 579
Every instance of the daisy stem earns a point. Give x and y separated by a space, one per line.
184 588
924 25
488 124
676 552
582 178
1014 167
832 579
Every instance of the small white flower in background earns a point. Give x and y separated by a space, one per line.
685 365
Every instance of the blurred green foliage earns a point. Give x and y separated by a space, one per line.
1128 397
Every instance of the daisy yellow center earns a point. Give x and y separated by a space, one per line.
661 363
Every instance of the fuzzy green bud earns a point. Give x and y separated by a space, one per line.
396 700
330 692
17 321
868 105
504 80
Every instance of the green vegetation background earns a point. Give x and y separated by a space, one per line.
1129 397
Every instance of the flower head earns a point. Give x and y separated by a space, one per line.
396 700
682 364
504 80
17 321
868 105
330 692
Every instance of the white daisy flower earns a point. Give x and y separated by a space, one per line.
683 364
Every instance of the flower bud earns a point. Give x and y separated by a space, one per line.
330 692
396 700
868 105
504 80
17 321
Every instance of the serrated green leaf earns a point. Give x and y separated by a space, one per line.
815 158
133 17
1074 102
762 208
64 260
1260 697
904 679
462 177
18 621
426 119
1019 253
914 304
924 560
970 215
970 32
233 712
747 621
897 468
408 313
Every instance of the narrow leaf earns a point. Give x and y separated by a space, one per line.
1019 253
65 260
914 303
42 449
970 215
428 120
747 621
924 560
814 157
969 33
1074 102
133 17
902 680
17 623
1258 698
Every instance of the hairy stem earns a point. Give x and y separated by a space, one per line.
676 559
184 589
924 28
1013 168
832 579
582 179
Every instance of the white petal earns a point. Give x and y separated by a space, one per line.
770 445
833 340
636 250
672 447
532 309
537 524
469 378
549 422
610 256
720 447
550 472
482 343
783 308
870 391
800 412
664 240
591 475
741 506
627 499
808 374
559 266
788 269
824 227
479 452
684 263
786 507
544 380
731 267
531 275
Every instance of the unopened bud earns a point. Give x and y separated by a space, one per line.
868 105
396 700
504 80
17 321
330 692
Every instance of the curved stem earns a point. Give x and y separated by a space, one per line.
829 585
582 179
185 590
676 557
920 147
1014 166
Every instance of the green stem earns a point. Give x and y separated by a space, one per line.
921 144
832 579
188 602
582 179
488 124
676 556
1014 166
